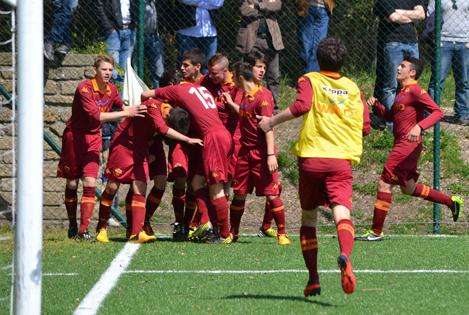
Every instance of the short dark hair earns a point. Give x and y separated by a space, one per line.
243 69
254 56
195 56
331 54
179 120
103 58
417 65
170 77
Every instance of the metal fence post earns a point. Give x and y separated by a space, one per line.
436 130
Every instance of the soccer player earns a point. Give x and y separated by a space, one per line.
128 164
330 141
209 164
256 164
81 141
409 121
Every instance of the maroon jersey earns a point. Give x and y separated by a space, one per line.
409 109
89 102
198 102
227 115
258 102
134 134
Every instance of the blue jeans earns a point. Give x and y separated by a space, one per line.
388 60
62 19
120 44
208 45
312 29
455 55
154 49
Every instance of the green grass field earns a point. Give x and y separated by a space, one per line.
394 277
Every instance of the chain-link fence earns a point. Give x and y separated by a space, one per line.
76 30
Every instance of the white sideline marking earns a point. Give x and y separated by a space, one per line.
221 272
58 274
167 236
92 301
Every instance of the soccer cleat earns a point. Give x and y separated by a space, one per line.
347 277
179 232
212 237
312 289
270 232
201 230
231 239
86 236
369 235
141 238
283 239
72 232
148 229
190 233
458 203
102 236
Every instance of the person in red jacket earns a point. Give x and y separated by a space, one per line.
128 164
81 141
409 121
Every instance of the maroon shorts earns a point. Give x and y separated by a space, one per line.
401 164
328 187
157 158
252 171
234 157
178 161
123 167
216 153
80 155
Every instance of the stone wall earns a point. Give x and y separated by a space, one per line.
59 89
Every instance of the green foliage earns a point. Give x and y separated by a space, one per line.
287 163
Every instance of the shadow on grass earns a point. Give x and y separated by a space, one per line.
279 297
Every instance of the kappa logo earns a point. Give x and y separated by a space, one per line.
264 103
332 91
84 90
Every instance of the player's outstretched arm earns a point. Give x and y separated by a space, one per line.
147 94
173 134
128 111
268 123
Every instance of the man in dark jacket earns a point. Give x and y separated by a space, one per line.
260 31
118 20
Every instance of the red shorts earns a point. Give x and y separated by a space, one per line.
252 171
157 158
234 157
80 155
123 167
401 164
217 150
329 187
178 161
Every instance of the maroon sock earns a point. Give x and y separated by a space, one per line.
128 212
236 212
86 208
345 235
432 195
179 200
382 205
309 248
71 203
153 201
278 212
138 213
104 209
268 216
202 201
221 208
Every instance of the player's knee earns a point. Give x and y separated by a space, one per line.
89 182
111 187
180 182
309 218
72 184
407 190
384 187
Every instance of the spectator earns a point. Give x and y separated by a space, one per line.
314 22
59 40
455 53
119 20
260 31
199 16
153 45
396 38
